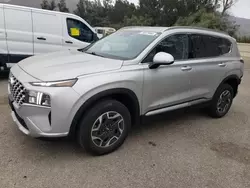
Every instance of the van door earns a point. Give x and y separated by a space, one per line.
77 34
47 30
3 43
19 33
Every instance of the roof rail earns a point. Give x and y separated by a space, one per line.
198 28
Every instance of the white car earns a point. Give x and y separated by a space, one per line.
26 31
103 31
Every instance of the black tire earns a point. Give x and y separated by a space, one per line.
213 108
87 123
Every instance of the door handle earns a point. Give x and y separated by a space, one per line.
41 38
186 68
69 42
222 65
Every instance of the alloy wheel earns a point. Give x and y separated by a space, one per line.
107 129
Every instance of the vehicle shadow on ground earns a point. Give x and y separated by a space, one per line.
168 120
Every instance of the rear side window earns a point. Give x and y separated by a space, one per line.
225 46
79 30
198 49
204 46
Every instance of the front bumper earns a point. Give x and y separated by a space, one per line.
23 118
41 121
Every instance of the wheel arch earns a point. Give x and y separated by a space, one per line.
232 80
123 95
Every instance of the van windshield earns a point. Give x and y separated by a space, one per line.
123 45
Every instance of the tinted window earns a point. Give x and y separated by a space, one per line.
198 47
176 45
225 46
208 46
79 30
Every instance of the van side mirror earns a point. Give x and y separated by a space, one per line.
161 58
95 38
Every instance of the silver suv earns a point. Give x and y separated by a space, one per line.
95 94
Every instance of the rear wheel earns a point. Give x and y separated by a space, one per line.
105 127
222 101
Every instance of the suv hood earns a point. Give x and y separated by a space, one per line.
66 65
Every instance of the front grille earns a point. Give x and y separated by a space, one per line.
17 90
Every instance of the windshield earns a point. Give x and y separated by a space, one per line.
124 45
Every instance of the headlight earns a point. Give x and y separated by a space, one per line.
62 83
38 98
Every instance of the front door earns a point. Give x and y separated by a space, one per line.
167 85
77 34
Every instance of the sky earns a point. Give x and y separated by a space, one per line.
240 9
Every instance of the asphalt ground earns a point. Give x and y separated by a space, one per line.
180 149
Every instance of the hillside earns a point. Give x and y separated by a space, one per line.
244 24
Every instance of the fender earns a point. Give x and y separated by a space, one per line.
234 76
102 95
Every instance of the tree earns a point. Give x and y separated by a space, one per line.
227 4
121 9
80 8
212 20
48 5
137 21
204 13
45 4
62 6
52 5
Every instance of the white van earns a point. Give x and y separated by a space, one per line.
26 31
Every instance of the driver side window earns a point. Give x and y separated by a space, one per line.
176 45
79 31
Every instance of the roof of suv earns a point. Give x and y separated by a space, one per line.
163 29
145 28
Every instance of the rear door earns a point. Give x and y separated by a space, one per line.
47 29
209 66
77 33
3 42
19 34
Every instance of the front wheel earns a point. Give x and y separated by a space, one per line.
222 101
105 127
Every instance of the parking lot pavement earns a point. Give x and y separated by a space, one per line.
178 149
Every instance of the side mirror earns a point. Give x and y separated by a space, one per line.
161 58
95 37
